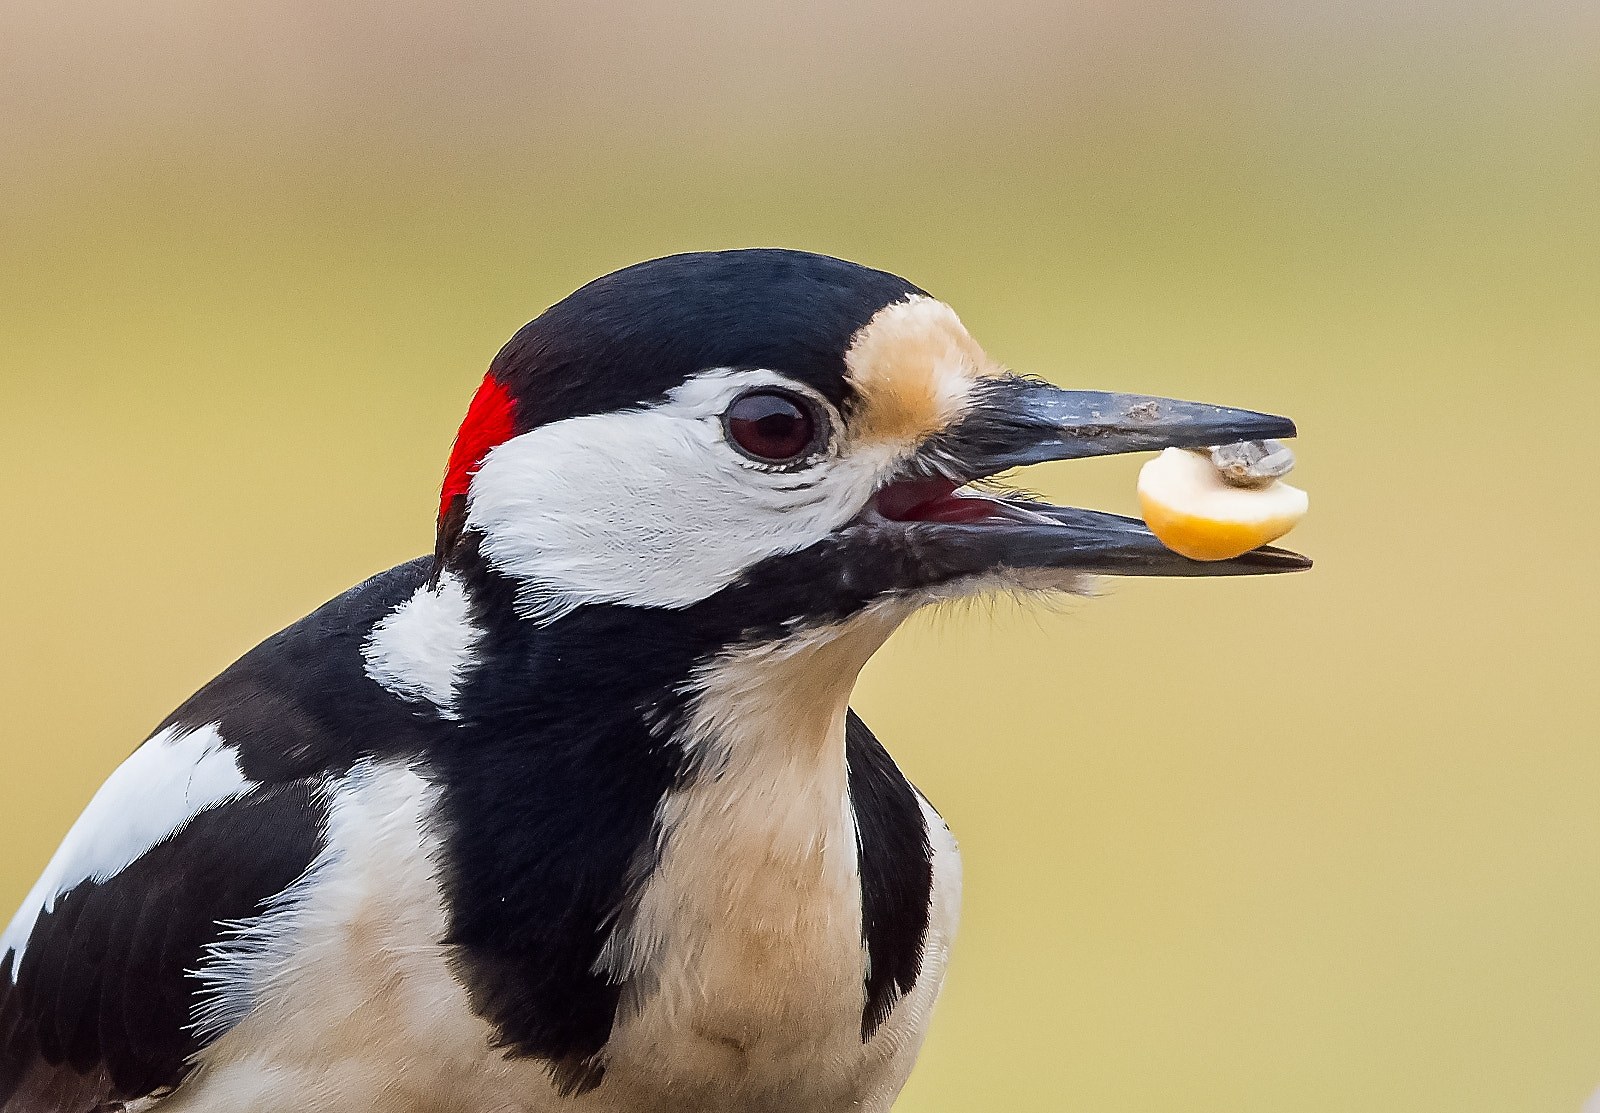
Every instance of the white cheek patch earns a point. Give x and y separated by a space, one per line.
424 648
153 794
652 507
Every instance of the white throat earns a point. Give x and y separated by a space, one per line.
753 911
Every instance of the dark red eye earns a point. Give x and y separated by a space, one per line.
773 426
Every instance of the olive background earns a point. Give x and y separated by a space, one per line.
1326 842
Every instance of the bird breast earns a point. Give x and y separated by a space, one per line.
743 955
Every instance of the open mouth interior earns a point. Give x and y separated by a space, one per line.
933 500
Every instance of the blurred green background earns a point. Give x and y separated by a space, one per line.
1322 842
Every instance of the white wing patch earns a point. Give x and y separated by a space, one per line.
424 647
160 787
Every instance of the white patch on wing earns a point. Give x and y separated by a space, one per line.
652 507
424 647
160 787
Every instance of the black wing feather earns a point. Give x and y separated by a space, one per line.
101 1009
102 1004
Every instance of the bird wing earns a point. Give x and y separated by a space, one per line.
103 971
114 972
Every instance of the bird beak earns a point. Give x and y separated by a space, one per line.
1016 421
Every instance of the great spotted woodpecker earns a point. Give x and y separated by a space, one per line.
573 815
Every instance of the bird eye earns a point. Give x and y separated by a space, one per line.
772 426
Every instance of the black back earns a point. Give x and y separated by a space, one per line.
300 704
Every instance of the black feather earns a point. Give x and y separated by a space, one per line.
896 863
103 996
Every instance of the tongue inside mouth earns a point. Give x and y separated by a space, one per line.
931 500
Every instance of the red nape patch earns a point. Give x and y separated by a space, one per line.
489 422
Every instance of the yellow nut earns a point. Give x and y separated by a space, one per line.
1194 511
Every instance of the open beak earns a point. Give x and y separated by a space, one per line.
1016 421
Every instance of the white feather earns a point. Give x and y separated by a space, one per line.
162 786
425 646
745 946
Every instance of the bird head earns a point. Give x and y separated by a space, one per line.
778 442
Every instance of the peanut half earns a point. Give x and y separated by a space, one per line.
1217 503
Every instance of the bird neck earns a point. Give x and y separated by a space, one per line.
585 746
756 846
782 701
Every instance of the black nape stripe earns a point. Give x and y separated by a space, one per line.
896 864
101 1008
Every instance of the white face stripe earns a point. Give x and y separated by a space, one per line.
653 507
160 787
425 646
